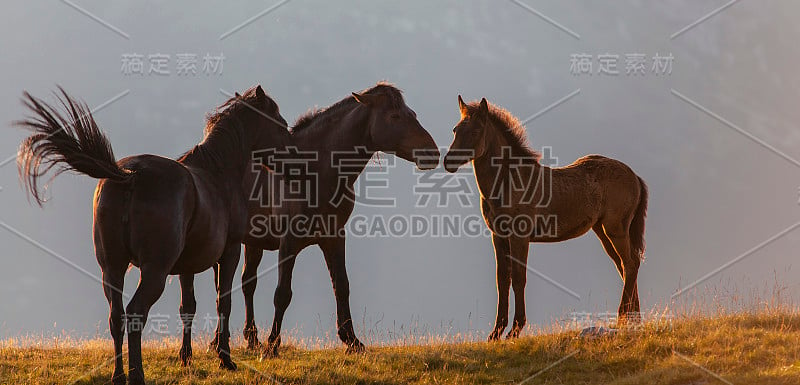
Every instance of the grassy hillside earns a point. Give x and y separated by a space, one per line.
739 349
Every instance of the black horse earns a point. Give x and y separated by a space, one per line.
341 140
161 215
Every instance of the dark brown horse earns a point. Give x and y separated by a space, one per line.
337 144
163 216
524 201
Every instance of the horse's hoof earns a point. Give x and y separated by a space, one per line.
186 356
254 345
213 345
227 364
494 336
629 320
269 352
119 379
356 347
251 336
135 377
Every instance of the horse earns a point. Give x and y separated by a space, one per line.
523 201
161 215
341 140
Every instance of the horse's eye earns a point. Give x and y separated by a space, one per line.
394 116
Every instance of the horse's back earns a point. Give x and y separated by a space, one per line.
615 183
582 194
156 182
599 171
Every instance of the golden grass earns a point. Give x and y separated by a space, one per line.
756 347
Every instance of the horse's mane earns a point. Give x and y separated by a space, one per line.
510 127
321 115
219 119
231 107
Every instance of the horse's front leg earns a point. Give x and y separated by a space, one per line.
227 270
252 258
334 251
502 251
212 346
519 275
187 310
283 292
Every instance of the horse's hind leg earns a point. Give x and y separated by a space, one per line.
187 310
519 274
151 285
334 251
252 258
113 281
502 253
609 248
629 304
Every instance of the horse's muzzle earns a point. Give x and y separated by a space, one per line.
427 159
453 162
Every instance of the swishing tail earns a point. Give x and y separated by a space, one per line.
637 224
67 140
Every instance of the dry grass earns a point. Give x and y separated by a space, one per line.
749 347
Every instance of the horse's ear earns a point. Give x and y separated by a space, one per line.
365 99
484 107
236 95
260 92
462 106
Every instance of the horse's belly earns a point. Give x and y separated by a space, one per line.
196 260
203 247
558 228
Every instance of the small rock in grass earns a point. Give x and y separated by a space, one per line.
597 331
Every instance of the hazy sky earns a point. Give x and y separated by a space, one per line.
716 140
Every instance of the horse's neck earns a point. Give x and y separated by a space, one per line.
343 149
499 172
223 151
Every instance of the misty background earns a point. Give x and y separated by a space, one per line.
714 192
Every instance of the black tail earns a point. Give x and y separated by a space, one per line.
637 224
63 141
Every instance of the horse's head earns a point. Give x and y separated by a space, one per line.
263 121
469 141
393 127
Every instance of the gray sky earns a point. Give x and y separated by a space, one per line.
719 186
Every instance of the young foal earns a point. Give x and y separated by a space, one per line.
163 216
342 139
523 201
